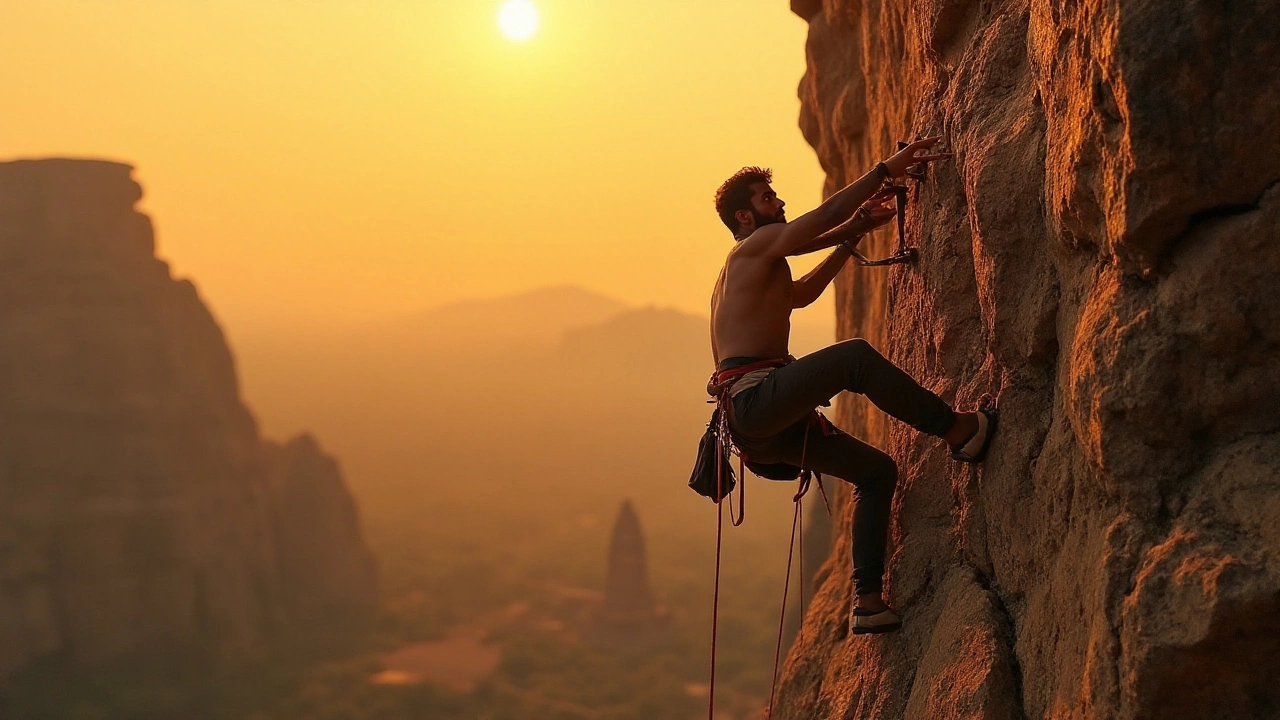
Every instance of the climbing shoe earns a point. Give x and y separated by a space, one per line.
864 622
974 449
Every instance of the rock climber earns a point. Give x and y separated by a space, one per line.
770 397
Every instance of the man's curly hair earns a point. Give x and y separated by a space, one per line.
735 194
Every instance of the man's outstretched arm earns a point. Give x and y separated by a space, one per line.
871 215
839 207
809 232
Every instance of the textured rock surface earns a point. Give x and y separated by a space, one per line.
1099 255
140 511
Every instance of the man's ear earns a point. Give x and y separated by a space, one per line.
743 217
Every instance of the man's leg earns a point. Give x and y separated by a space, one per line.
873 475
790 392
781 403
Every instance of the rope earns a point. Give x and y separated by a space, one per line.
721 450
796 519
797 522
782 616
742 496
715 609
800 552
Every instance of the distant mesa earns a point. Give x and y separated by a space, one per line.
142 512
563 298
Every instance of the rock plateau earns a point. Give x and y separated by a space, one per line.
140 511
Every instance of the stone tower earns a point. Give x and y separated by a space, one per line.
628 601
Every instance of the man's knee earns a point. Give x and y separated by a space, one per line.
858 348
881 478
857 345
887 472
877 477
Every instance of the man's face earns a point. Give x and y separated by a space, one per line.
766 206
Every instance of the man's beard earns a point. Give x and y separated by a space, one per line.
762 220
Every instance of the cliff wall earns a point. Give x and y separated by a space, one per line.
140 511
1100 256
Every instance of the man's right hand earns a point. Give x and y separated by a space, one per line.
874 213
906 157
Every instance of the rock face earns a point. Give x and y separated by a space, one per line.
140 512
1099 255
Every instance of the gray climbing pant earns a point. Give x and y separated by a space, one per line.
769 422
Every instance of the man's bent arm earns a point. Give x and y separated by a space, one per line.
809 288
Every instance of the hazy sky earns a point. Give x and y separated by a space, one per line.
312 160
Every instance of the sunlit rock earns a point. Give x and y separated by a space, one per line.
1100 255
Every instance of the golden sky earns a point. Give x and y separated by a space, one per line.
311 161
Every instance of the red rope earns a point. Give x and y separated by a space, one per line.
721 450
782 617
742 496
715 611
791 546
800 552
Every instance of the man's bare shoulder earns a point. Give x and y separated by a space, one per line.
761 242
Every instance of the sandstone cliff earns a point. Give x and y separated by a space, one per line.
1099 255
140 512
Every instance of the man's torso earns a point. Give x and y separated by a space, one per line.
751 307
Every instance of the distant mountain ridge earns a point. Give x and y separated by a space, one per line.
642 336
551 340
539 313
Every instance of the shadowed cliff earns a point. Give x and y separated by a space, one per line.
1099 255
140 511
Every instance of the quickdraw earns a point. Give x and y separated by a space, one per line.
904 253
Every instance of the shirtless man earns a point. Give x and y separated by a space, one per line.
769 409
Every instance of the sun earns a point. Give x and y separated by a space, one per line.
518 19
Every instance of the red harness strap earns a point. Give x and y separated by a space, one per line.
722 380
